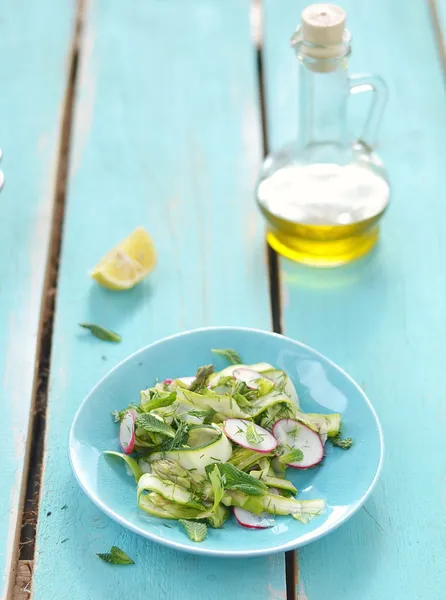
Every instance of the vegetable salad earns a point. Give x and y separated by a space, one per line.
204 446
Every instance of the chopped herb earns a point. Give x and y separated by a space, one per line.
293 432
64 540
252 436
195 530
294 455
281 383
116 556
151 424
201 377
64 507
103 334
48 514
345 443
231 356
166 525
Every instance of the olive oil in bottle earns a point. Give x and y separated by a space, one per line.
324 195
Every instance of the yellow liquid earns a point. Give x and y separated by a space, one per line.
323 215
324 245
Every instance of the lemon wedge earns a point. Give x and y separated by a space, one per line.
128 263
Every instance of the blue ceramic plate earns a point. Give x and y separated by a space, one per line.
345 479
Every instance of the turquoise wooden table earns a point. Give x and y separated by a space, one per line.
117 114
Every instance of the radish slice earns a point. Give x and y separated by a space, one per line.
294 435
248 376
249 435
167 381
252 521
127 432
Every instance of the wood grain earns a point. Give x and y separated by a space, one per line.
23 582
166 135
383 319
33 66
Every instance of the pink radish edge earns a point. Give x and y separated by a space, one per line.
127 432
235 430
248 376
306 440
252 521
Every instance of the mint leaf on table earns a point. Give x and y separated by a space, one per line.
252 436
195 530
231 356
294 455
116 556
101 333
151 424
201 377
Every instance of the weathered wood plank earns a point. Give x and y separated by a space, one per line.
383 320
23 582
166 135
33 65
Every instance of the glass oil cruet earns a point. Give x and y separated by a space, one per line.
324 195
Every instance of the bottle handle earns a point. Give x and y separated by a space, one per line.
370 83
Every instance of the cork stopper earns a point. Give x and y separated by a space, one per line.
322 36
323 24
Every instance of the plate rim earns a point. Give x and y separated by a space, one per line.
291 545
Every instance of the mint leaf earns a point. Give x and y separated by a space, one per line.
195 530
231 356
116 556
103 334
179 440
294 455
345 443
153 425
252 436
153 399
234 479
201 377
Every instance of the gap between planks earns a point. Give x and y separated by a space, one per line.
22 572
291 565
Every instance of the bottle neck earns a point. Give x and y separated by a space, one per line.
323 109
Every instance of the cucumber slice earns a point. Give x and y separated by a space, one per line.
207 444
